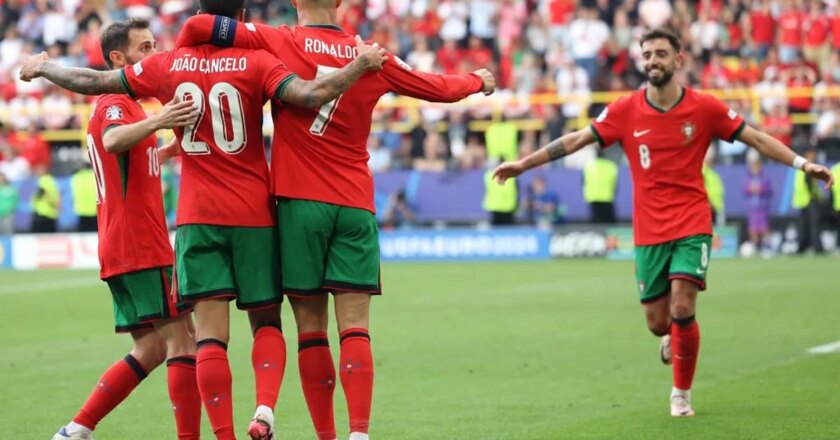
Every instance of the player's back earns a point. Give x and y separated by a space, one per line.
323 152
225 179
131 224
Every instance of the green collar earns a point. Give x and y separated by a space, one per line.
660 109
334 27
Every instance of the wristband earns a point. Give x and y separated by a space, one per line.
799 162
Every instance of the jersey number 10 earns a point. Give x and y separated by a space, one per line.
236 125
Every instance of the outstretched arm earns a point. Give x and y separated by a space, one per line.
175 113
434 87
317 92
75 79
560 147
772 148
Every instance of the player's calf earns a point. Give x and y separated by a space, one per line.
268 357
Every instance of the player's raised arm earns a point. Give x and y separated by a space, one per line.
75 79
315 93
175 113
434 87
560 147
772 148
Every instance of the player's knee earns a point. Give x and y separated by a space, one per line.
659 326
682 309
353 313
265 317
310 314
150 352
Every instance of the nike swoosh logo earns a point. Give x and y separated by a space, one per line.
640 133
700 271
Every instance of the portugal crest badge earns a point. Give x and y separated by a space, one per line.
688 130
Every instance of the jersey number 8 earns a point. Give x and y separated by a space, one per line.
644 156
220 92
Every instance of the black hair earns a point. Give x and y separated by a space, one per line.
115 36
225 8
662 33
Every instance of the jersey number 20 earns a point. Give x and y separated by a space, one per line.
236 126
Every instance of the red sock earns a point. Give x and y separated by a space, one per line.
356 372
268 357
215 384
113 387
317 377
685 344
184 395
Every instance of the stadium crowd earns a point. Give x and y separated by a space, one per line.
562 48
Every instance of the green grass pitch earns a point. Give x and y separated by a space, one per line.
549 350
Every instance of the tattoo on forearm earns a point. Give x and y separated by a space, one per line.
84 81
312 94
556 150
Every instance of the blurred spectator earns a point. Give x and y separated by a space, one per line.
772 90
572 84
56 109
398 213
380 157
500 201
8 205
434 153
600 185
453 14
421 58
83 190
655 13
759 192
502 139
817 27
484 14
791 22
808 198
45 202
32 147
779 125
474 156
512 17
588 35
10 49
762 27
544 206
714 189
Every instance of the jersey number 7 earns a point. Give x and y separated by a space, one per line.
220 92
325 113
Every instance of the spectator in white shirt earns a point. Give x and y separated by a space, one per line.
483 17
453 14
588 35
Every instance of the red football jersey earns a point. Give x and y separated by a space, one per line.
322 154
132 226
224 174
666 152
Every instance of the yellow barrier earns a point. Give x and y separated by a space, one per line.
495 104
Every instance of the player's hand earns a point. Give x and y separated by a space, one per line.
488 79
176 113
31 67
373 55
170 150
508 170
820 172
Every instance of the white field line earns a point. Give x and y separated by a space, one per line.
825 348
52 286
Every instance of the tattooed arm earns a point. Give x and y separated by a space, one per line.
315 93
79 80
560 147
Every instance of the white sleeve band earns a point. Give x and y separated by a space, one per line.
799 162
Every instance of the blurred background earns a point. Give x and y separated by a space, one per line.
558 62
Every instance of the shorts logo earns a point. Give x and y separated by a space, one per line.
114 113
641 286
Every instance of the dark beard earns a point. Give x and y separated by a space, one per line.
664 79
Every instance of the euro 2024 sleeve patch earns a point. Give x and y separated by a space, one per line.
114 113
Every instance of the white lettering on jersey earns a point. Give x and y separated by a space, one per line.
311 45
217 65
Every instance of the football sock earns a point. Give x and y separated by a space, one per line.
268 357
356 373
113 387
685 344
317 377
185 397
215 385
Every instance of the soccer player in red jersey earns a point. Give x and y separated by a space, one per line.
329 235
225 245
122 147
665 130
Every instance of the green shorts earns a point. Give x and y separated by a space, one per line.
142 297
327 248
656 265
216 262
